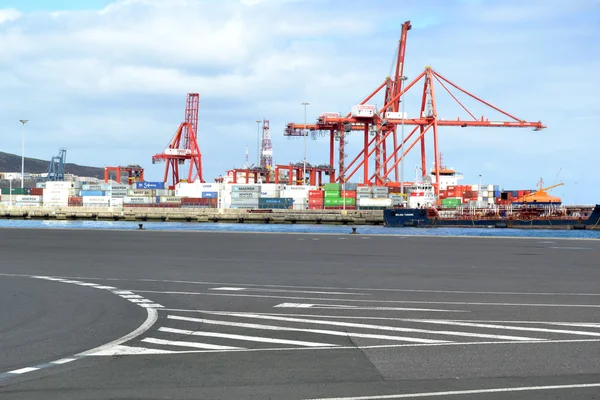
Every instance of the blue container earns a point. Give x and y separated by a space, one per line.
149 185
210 195
496 193
279 202
91 193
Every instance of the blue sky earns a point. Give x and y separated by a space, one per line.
108 79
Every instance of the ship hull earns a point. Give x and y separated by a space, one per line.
412 217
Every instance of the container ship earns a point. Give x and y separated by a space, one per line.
509 209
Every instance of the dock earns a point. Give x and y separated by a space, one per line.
206 215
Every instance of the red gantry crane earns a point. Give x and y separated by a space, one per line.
184 146
383 124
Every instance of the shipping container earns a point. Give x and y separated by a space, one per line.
116 202
93 193
245 195
332 186
27 199
138 200
75 201
59 185
363 189
380 195
36 192
332 194
94 187
451 202
117 193
363 195
245 188
316 201
95 200
278 203
140 193
149 185
118 186
189 202
17 190
374 203
380 189
210 195
316 194
331 201
351 194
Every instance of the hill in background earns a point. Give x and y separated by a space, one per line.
12 163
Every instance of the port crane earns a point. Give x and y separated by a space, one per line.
541 194
378 126
56 169
183 147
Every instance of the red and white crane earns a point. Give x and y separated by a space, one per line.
184 147
383 124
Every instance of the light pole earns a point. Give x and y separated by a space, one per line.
305 134
257 143
479 191
404 78
23 121
10 193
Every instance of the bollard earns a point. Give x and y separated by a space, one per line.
141 227
353 231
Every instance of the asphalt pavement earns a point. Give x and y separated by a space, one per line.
146 315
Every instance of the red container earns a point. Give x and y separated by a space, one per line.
316 194
521 193
196 201
315 207
36 192
75 201
450 193
348 194
315 202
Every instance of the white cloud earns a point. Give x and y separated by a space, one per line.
9 15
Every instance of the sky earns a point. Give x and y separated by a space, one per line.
107 79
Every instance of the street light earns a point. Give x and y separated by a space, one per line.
23 121
305 134
479 191
257 143
404 78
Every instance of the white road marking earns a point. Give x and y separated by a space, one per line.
375 301
236 289
245 337
130 351
345 307
23 370
375 327
131 296
142 300
64 361
189 344
570 248
150 305
506 327
69 281
319 331
328 287
464 392
105 287
87 284
120 292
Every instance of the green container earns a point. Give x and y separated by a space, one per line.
332 194
17 191
451 202
333 186
335 202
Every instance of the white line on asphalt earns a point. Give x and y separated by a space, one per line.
246 338
238 289
142 300
319 331
575 324
131 296
506 327
374 301
63 361
120 350
105 287
464 392
189 344
150 305
370 347
86 284
345 307
570 248
120 292
23 370
369 326
328 287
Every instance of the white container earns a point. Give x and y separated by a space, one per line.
170 200
374 202
363 111
117 193
118 186
245 195
210 187
27 199
490 188
116 202
245 188
58 185
139 200
40 185
97 200
140 193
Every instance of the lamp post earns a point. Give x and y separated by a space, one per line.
305 134
10 193
257 143
23 121
479 191
404 78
